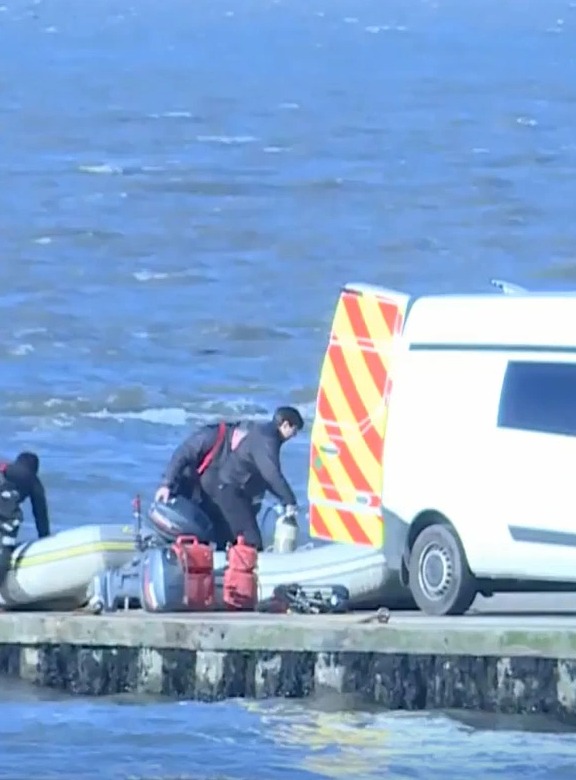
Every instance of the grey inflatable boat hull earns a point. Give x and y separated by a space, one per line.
55 572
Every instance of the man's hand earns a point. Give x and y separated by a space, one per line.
291 510
162 494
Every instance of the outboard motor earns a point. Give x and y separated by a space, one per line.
179 517
177 570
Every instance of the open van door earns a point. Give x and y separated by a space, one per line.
346 454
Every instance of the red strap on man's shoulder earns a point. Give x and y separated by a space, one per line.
209 457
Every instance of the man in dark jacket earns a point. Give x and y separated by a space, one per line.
251 468
193 472
18 481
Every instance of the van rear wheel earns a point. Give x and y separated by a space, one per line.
438 573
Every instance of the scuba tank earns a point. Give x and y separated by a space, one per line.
285 532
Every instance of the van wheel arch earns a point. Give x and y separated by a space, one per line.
423 520
432 535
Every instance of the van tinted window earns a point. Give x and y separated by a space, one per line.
539 397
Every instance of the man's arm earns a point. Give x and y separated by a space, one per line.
40 509
267 460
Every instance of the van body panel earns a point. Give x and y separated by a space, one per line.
348 434
507 491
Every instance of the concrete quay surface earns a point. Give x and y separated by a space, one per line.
497 662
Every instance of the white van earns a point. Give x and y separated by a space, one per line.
445 431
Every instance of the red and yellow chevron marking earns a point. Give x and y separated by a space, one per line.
346 454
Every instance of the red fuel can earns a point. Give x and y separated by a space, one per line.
197 562
240 590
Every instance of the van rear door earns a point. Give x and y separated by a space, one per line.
348 433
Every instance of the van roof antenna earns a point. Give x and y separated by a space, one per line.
507 287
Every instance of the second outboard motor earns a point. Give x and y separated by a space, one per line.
179 517
116 589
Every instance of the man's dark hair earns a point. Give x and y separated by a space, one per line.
290 415
30 461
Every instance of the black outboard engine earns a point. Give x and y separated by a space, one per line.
179 517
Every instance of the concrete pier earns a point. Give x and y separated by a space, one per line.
496 663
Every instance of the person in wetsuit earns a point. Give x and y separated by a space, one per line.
19 481
193 472
251 468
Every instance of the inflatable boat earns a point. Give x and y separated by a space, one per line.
55 572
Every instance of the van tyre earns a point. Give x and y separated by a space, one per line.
438 573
